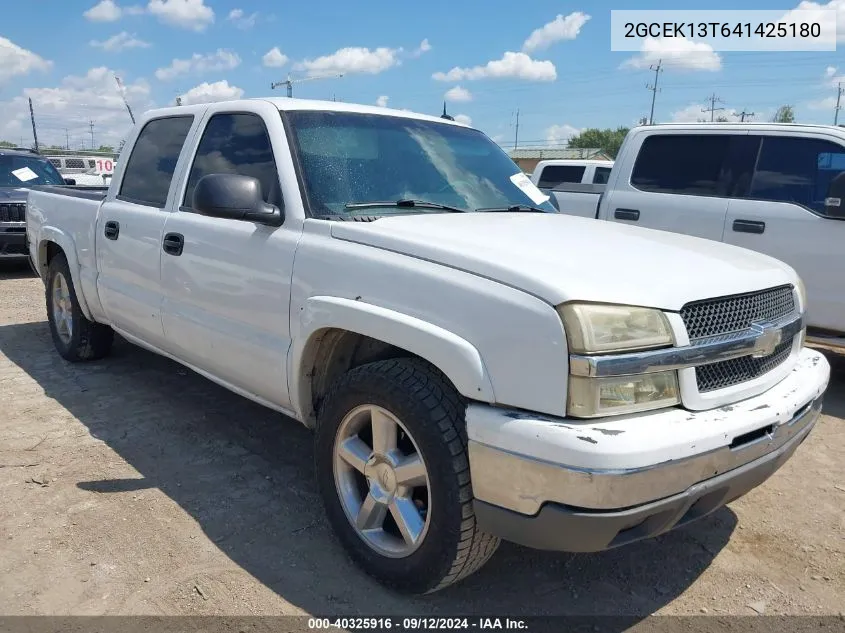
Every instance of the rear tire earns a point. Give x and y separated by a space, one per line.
75 337
441 544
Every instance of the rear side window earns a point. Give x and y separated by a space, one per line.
681 164
801 171
150 168
601 176
554 175
236 144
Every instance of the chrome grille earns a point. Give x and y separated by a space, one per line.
736 313
715 317
731 372
13 212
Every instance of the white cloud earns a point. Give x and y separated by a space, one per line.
558 134
819 15
15 61
104 11
382 101
561 28
424 47
458 94
675 52
512 65
193 15
120 42
196 64
828 103
463 118
209 93
351 60
831 78
71 105
274 58
241 20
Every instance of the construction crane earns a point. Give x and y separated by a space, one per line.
289 82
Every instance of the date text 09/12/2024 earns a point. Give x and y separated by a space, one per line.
417 623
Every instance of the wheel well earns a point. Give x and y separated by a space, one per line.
334 352
48 250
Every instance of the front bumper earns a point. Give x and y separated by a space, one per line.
13 244
587 485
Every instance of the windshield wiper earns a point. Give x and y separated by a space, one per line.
404 202
513 209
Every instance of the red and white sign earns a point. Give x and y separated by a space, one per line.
104 166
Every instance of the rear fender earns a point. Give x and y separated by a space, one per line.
66 244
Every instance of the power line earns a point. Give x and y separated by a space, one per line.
744 114
654 89
713 99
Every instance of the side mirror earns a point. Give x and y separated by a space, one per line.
235 197
70 181
834 202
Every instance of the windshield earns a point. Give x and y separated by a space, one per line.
354 158
27 171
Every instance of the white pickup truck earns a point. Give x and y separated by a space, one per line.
475 365
774 188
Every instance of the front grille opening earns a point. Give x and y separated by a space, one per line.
751 436
713 317
14 212
731 372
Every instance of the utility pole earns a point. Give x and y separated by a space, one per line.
91 126
839 90
32 118
744 114
289 82
654 89
713 109
67 139
516 132
123 96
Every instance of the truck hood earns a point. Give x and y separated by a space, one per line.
13 194
560 258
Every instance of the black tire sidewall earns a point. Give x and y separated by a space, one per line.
428 565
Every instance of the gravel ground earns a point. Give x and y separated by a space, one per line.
133 486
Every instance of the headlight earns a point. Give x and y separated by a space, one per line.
592 327
802 294
592 397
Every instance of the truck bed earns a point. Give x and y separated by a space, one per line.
577 199
76 191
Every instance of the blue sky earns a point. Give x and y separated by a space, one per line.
550 60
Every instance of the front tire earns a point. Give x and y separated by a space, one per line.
75 337
393 472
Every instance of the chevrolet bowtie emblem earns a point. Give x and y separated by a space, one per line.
768 338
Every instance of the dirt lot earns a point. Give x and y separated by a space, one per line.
132 486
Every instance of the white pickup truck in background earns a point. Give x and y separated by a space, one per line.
774 188
475 365
549 174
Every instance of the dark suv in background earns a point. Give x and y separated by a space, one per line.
20 169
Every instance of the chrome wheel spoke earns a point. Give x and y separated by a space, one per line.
408 519
355 452
371 515
385 432
411 471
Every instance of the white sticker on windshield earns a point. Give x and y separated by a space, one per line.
528 188
24 174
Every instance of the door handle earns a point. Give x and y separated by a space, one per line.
173 244
111 230
627 214
748 226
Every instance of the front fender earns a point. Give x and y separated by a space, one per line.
451 354
64 241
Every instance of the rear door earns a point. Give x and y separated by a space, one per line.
676 184
781 211
129 230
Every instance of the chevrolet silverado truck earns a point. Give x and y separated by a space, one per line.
20 170
475 366
776 188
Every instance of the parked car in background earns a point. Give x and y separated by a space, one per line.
774 188
20 169
573 175
85 170
475 365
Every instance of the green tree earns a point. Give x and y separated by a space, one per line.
7 144
608 140
106 149
784 114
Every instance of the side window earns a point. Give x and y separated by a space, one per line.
601 176
682 164
804 171
553 175
236 144
153 160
